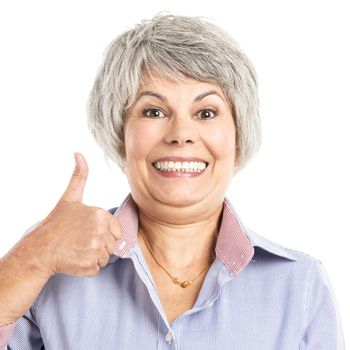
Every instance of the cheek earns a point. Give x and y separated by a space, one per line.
222 143
139 139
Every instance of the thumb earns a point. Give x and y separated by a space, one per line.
75 189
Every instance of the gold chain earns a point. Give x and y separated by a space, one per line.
183 284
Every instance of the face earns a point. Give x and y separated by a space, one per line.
170 123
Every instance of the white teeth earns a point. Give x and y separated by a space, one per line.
180 166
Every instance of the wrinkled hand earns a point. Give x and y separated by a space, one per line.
74 238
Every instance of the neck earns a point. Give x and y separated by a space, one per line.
181 246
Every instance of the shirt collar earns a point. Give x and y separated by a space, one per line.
260 241
235 243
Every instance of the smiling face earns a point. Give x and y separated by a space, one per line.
189 119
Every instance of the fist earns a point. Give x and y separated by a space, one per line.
74 238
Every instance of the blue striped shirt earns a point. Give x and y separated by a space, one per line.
256 295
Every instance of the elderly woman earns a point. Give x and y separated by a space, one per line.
175 104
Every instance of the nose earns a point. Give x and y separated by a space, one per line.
181 131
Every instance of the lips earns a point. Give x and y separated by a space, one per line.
180 159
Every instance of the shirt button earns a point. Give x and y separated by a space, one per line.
169 337
122 244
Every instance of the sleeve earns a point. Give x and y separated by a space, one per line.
322 328
22 334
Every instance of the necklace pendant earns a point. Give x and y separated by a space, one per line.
176 280
185 284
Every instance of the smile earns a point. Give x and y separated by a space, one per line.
188 167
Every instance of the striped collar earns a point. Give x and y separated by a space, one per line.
235 243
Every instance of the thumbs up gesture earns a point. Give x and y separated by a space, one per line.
74 238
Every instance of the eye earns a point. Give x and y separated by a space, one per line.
154 113
206 114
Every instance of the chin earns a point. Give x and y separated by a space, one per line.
179 198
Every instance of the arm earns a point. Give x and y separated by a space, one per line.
322 327
21 282
74 239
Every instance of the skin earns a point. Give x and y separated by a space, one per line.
180 216
74 239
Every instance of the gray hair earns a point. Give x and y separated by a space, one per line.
177 47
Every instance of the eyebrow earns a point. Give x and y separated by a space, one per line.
164 99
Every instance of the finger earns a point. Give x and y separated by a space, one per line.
103 259
75 189
115 228
110 244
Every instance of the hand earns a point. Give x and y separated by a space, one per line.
74 239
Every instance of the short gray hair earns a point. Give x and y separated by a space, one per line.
177 47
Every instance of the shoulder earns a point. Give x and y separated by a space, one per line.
309 280
273 249
306 270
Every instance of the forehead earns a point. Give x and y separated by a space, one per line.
154 84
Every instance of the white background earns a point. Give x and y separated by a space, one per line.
295 191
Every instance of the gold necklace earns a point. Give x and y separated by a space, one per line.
183 284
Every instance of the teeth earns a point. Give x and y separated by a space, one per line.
180 166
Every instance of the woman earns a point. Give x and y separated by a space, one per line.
175 105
